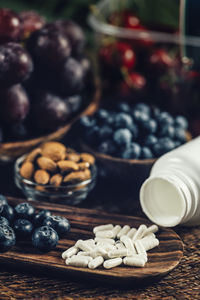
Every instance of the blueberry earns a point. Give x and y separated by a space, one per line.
155 112
180 135
123 107
134 130
7 238
3 200
41 216
177 143
7 212
163 145
150 140
104 132
164 118
122 136
107 147
60 224
4 221
23 228
146 153
92 134
149 126
24 211
123 120
143 108
140 116
168 131
86 122
133 151
102 115
181 121
45 238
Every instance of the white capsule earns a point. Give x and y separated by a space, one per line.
69 252
140 256
90 242
99 251
84 246
149 243
83 253
106 246
107 234
78 261
102 240
140 248
128 244
152 229
118 253
149 235
116 230
120 246
123 231
96 262
134 261
131 232
139 233
103 228
111 263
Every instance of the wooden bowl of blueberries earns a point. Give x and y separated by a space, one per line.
45 78
127 140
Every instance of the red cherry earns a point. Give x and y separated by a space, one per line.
137 81
9 25
160 60
105 54
131 21
125 55
30 22
144 38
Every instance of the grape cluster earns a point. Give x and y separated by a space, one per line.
23 223
133 132
43 73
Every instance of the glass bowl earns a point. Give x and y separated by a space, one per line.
164 25
71 194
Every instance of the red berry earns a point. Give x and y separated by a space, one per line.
30 22
125 55
144 38
105 54
160 60
136 81
131 21
9 25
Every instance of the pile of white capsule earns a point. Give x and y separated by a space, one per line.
112 246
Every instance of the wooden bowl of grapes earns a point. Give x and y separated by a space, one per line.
46 81
126 142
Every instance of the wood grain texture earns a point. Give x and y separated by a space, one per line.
162 259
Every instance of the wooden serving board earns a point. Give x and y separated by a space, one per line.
161 260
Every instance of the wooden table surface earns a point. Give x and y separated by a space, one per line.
181 283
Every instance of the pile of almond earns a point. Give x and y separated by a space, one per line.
55 165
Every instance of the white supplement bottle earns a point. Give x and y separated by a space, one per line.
171 195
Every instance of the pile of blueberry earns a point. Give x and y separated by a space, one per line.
133 132
23 223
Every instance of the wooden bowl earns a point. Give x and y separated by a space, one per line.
124 171
11 150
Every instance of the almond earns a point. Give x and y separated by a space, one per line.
33 154
73 157
67 166
46 163
40 188
83 165
86 157
27 170
56 180
77 176
54 150
41 177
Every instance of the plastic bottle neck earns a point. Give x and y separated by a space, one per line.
169 197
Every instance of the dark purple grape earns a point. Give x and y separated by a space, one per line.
75 34
71 78
49 111
14 104
30 22
74 102
86 65
49 46
9 25
15 64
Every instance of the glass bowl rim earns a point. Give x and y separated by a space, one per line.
120 32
